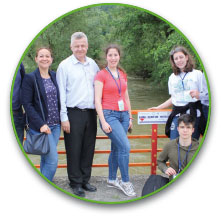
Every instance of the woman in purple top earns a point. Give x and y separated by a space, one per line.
49 95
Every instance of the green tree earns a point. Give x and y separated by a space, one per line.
146 40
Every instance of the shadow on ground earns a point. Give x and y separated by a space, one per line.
104 193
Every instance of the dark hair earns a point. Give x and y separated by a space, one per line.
190 62
43 47
115 46
186 119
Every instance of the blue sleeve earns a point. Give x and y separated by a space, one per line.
22 70
204 96
16 102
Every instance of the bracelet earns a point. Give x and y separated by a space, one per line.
131 118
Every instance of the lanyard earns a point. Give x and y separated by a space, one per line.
118 87
183 80
179 160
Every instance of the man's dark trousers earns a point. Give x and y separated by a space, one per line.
80 145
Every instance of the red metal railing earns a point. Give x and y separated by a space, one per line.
154 137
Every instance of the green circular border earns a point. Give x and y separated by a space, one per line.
82 8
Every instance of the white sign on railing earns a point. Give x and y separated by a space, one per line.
153 117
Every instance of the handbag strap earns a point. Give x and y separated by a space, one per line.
42 112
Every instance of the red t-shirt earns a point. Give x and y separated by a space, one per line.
110 95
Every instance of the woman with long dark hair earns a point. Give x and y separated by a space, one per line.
184 84
114 110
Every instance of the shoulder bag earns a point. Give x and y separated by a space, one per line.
37 144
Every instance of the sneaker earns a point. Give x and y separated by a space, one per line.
127 188
114 184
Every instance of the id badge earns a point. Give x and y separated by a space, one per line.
121 105
187 97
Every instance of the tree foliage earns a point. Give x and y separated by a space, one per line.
146 39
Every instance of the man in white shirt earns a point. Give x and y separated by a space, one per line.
75 78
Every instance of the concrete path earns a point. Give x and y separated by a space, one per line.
104 193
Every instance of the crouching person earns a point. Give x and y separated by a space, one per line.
179 151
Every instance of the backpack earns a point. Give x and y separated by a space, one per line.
153 183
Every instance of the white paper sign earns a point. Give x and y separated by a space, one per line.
153 117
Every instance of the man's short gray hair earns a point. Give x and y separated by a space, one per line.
78 35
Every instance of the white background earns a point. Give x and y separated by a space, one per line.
24 194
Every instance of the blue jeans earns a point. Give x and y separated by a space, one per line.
174 132
205 111
49 161
120 145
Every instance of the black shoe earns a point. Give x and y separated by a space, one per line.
89 187
78 191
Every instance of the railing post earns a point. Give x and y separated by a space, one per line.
154 149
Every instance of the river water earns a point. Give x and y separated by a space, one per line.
142 96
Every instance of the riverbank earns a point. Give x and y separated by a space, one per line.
104 193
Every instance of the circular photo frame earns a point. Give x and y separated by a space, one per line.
155 55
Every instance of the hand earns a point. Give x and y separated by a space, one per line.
65 126
130 124
170 171
194 94
45 129
153 108
106 127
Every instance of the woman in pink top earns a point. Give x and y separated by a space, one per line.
114 110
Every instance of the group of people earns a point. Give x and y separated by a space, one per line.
79 91
187 121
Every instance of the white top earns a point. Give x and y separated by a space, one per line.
180 86
204 95
76 84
